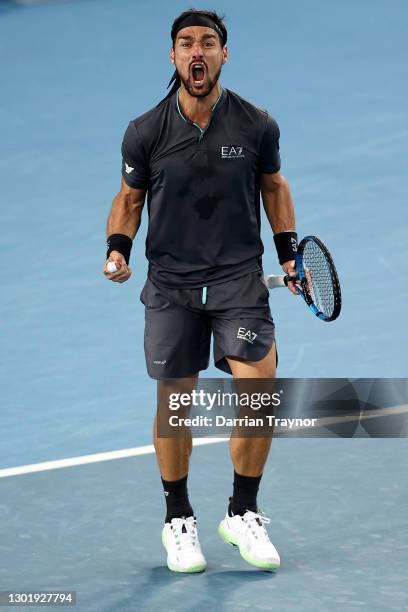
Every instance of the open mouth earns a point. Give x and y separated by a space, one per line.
198 72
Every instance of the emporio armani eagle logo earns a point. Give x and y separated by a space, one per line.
128 168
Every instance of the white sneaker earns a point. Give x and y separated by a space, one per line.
249 534
180 539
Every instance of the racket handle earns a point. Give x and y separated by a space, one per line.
273 281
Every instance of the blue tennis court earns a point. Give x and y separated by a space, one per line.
72 373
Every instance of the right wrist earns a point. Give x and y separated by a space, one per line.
121 243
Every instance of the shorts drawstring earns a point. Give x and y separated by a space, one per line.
204 295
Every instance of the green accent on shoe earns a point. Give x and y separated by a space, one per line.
193 569
229 539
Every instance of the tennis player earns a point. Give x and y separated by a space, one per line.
203 156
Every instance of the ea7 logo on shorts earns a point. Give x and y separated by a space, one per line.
232 152
246 334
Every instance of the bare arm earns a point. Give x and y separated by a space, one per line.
277 202
278 206
124 218
126 211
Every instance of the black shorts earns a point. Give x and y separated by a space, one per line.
179 324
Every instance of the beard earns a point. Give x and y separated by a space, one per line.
206 90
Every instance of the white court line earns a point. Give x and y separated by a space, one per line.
149 449
96 458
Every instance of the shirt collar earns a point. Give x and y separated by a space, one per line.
217 103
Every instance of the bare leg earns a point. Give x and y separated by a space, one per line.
249 454
173 453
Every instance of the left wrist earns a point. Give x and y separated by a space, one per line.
286 244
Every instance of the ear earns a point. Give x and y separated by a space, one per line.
225 54
172 55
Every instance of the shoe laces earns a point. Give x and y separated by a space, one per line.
185 533
255 522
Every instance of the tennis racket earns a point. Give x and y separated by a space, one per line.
316 281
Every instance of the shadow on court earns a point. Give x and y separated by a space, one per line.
159 582
96 529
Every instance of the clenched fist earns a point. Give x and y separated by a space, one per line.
123 272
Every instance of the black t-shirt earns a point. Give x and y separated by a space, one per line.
203 188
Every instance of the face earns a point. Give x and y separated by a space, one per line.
198 57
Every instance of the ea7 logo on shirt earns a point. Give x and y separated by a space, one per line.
232 152
128 168
246 334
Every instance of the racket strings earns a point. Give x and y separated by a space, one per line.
318 281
